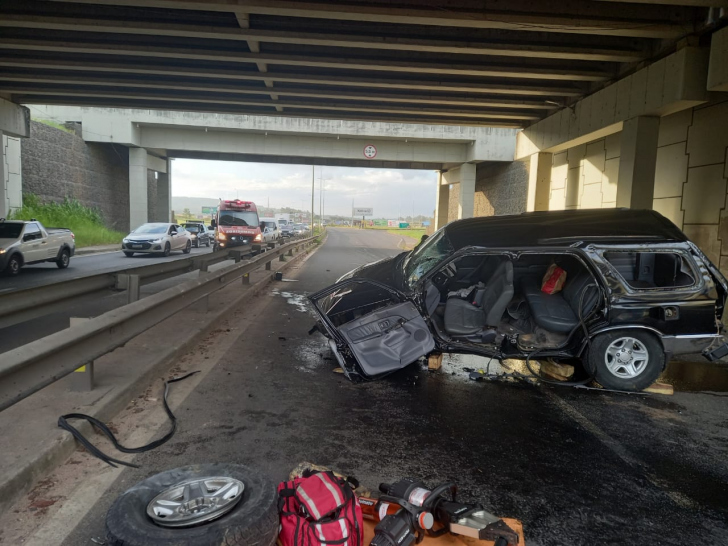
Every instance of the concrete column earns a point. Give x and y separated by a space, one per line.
539 182
4 197
636 181
164 194
137 187
466 201
443 201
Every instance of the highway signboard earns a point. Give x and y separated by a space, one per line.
363 211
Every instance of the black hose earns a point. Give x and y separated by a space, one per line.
582 323
96 452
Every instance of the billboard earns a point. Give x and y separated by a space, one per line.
209 210
362 211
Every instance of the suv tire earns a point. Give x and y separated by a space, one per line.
254 520
626 360
12 269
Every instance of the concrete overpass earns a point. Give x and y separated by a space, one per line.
621 102
155 136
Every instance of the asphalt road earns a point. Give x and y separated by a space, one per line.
577 467
83 266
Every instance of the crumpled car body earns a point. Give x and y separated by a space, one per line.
636 293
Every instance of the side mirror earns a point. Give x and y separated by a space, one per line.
173 232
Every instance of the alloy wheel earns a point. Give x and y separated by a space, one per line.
626 357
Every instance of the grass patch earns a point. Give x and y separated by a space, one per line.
414 233
55 125
85 222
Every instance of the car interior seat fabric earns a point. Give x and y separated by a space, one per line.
462 317
560 312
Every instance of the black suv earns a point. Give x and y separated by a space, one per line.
636 292
200 235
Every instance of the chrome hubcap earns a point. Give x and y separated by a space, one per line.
196 501
626 357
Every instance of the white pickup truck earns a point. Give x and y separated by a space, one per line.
23 243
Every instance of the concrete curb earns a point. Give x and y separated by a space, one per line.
48 457
101 249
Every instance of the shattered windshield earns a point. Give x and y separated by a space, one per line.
426 256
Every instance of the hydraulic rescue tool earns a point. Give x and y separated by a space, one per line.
408 510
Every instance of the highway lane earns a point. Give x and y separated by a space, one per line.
576 467
83 266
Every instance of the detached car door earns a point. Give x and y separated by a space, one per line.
374 324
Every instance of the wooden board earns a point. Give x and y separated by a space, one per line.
434 362
660 388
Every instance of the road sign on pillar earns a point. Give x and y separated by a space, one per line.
363 211
370 151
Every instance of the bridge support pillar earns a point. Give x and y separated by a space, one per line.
164 194
636 180
539 182
466 198
11 190
137 187
443 201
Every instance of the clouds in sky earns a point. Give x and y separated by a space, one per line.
391 192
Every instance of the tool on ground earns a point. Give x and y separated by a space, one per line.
408 510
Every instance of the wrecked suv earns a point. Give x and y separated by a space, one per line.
636 292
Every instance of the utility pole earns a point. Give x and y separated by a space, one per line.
352 212
313 188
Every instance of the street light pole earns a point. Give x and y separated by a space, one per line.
313 188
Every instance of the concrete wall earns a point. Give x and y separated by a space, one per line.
691 176
57 164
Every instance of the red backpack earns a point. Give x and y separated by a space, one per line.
319 509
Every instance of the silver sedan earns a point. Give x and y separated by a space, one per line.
157 238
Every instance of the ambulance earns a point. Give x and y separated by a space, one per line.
237 224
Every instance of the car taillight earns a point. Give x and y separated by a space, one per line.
258 238
73 236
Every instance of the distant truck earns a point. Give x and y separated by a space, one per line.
283 219
24 243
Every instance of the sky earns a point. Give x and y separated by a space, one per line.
390 192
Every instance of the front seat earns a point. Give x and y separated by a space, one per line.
462 318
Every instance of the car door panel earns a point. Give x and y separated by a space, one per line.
388 339
383 331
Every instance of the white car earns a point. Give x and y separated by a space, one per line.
157 238
269 229
23 243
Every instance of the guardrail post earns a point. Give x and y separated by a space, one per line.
82 379
281 258
267 266
132 288
290 252
246 278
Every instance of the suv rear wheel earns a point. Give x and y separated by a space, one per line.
627 360
64 259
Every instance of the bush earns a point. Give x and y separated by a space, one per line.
85 222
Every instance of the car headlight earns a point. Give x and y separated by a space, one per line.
221 236
258 238
159 240
125 240
2 251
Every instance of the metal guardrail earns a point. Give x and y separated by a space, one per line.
23 305
29 368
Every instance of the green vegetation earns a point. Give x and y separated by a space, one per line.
55 125
413 233
85 222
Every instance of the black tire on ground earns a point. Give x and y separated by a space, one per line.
254 521
167 249
188 248
128 254
64 259
13 267
598 360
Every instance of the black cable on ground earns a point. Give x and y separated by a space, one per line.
96 452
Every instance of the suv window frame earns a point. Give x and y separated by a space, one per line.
38 234
698 279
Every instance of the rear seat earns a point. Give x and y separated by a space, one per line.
559 312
